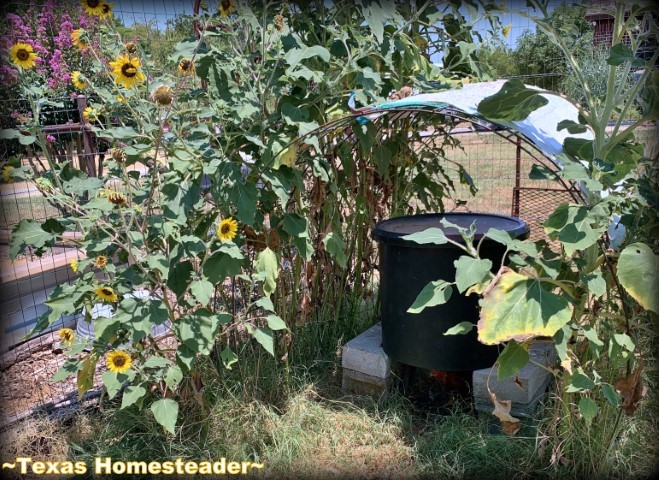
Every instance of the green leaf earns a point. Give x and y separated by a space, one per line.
588 409
376 15
461 328
540 172
244 196
469 271
157 362
119 133
579 382
197 331
264 337
295 225
610 394
596 283
114 382
27 139
296 55
202 290
593 339
429 235
166 412
518 308
228 357
179 277
579 148
638 271
173 376
513 358
80 186
67 370
336 247
621 53
178 199
624 341
132 395
276 323
28 233
266 262
434 293
220 265
576 226
265 303
572 127
514 102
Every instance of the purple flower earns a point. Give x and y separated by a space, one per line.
50 139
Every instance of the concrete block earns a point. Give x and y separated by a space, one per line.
485 405
364 354
362 384
532 379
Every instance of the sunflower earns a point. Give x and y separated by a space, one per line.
107 10
78 79
126 71
66 335
227 229
226 7
7 174
118 155
22 55
163 95
121 98
131 47
185 67
93 7
77 36
101 261
118 361
107 294
116 198
74 266
90 114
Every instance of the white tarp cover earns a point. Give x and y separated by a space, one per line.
540 126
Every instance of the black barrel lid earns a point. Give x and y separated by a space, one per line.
391 231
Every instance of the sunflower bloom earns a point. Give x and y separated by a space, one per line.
74 266
107 294
93 7
78 80
7 174
118 361
101 261
90 114
116 198
66 335
107 10
185 67
226 7
227 229
22 55
77 36
126 71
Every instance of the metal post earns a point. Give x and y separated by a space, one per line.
518 176
85 128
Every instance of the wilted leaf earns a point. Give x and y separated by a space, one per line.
632 390
509 424
518 307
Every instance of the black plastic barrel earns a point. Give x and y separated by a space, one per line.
418 339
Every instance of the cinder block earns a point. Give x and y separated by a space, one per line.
362 384
364 354
485 405
532 382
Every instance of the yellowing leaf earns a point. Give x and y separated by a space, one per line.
518 307
509 424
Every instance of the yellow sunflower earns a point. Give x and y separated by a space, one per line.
118 361
116 198
185 67
90 114
77 36
226 7
66 335
78 79
74 266
7 174
101 261
227 229
107 10
107 294
93 7
22 55
126 71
